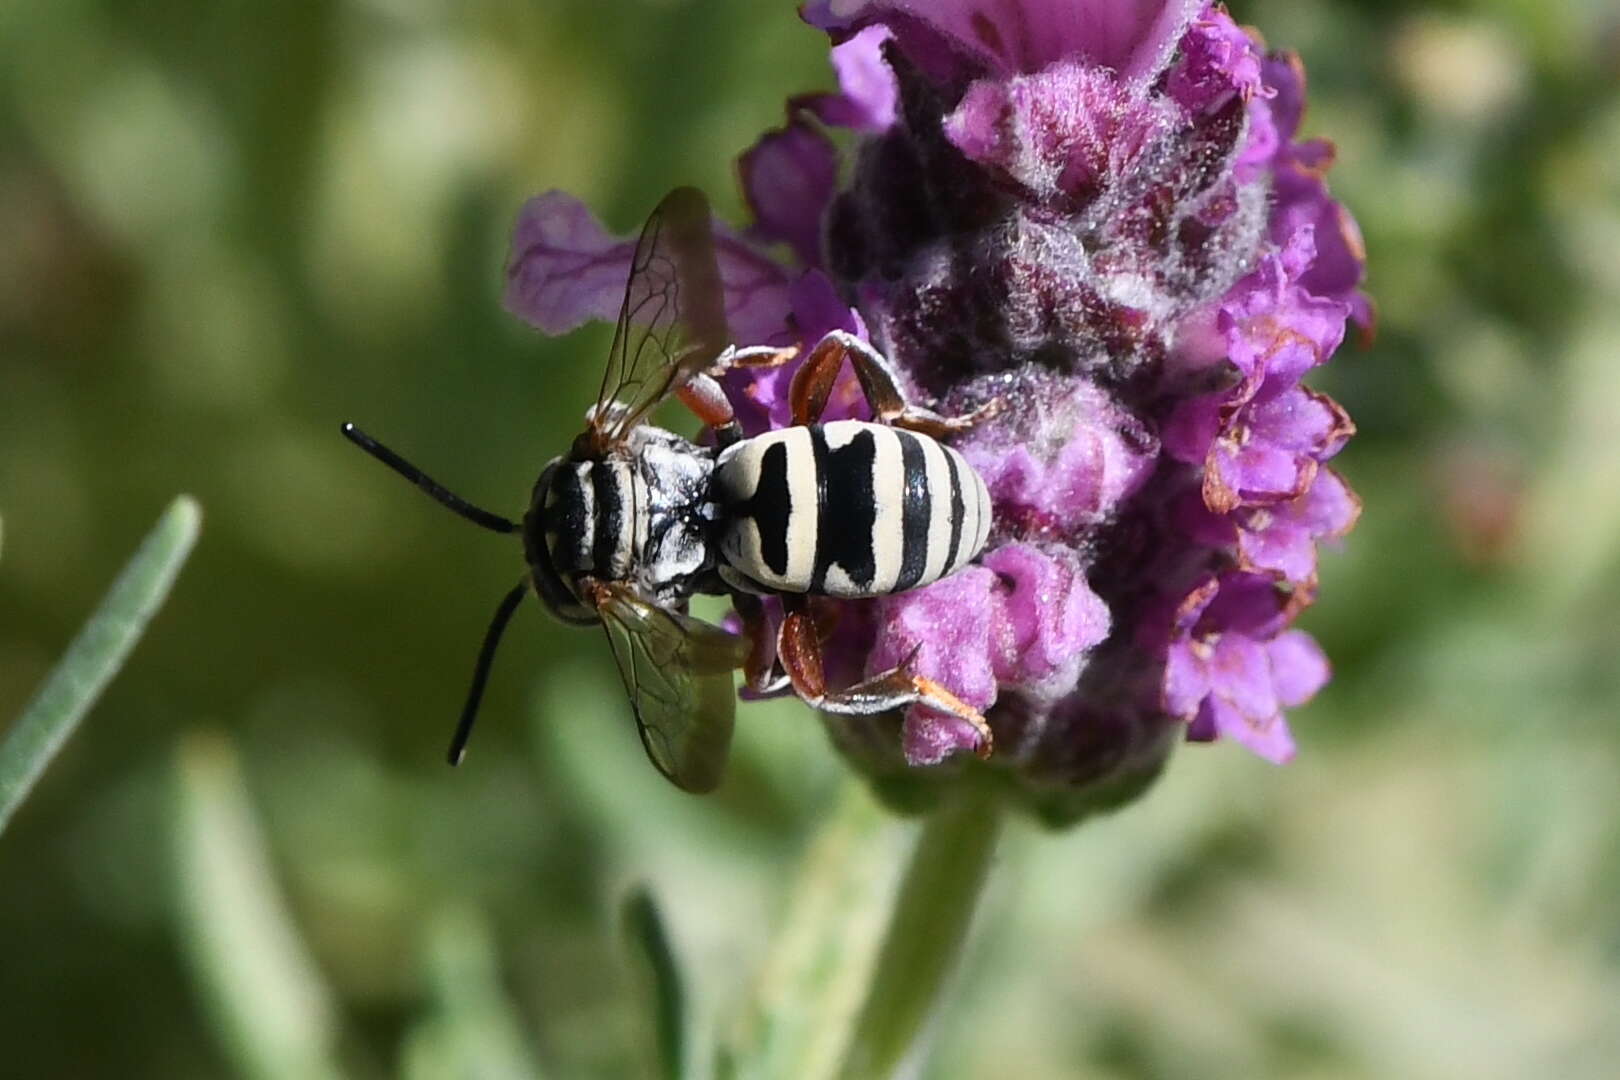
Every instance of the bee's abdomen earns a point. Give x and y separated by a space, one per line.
847 509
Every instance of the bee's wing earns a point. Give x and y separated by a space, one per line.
677 670
673 320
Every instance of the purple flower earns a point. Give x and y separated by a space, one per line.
1099 211
1232 665
1024 618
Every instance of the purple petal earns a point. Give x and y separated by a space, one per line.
1300 421
566 269
1217 60
1279 348
1302 201
1200 344
1048 619
1133 37
946 630
1240 673
868 99
1227 673
757 290
761 397
1261 143
818 310
1060 462
1186 679
1330 509
1341 262
830 15
1023 622
1281 538
943 59
1093 472
866 82
928 737
1267 736
1190 610
788 178
1274 543
1284 76
1066 130
1275 327
1201 728
1299 668
981 126
1248 605
1301 198
1238 475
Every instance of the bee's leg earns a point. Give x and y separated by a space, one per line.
703 394
799 647
760 667
752 356
813 383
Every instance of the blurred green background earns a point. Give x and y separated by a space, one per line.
226 227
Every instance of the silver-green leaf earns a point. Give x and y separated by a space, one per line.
275 1017
96 654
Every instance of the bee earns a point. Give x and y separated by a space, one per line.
630 523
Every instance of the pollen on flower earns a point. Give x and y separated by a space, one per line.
1100 212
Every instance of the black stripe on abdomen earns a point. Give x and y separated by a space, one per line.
771 506
916 511
958 512
846 508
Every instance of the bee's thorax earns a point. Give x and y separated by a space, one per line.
639 514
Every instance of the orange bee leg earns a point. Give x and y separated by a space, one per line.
760 667
799 647
703 394
753 356
813 383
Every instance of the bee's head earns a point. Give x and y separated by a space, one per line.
556 541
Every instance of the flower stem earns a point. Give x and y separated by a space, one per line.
927 929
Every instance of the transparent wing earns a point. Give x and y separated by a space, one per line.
678 673
673 320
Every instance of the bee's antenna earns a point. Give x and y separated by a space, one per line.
486 656
474 514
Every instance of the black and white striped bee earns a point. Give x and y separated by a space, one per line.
634 520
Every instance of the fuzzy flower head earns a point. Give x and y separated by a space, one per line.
1099 212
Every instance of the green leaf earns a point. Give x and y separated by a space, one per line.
474 1031
258 983
649 946
96 654
799 1020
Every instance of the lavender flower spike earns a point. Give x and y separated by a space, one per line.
1100 211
